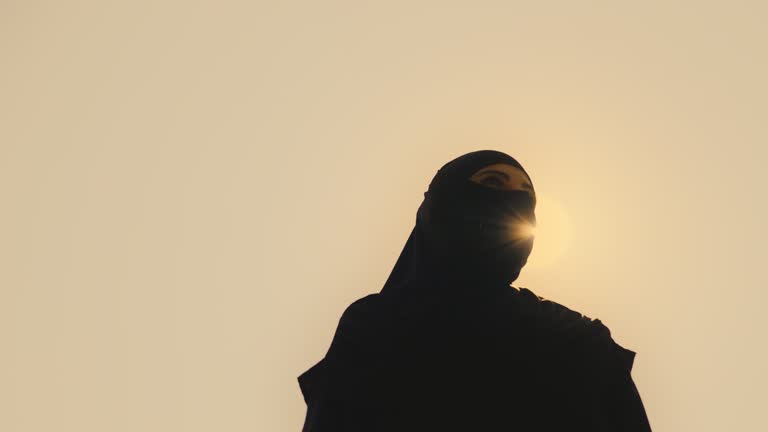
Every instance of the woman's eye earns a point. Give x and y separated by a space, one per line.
492 181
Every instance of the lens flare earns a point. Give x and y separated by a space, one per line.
520 230
526 230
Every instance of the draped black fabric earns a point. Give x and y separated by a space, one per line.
449 345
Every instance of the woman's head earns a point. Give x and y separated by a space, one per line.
475 223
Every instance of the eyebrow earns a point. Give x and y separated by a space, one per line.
526 185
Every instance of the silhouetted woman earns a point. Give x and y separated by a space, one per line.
449 345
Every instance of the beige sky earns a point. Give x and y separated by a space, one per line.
192 193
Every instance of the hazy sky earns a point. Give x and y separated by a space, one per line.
192 192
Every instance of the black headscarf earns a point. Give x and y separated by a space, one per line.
467 235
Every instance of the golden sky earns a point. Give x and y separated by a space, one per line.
192 192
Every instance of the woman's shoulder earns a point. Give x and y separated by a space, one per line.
572 327
352 336
555 316
363 309
366 322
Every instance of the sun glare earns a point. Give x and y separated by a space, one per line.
552 233
526 230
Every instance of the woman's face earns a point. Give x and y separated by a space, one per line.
504 177
509 178
480 233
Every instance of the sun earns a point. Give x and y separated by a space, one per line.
552 232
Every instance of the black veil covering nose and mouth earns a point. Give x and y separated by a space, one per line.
465 233
448 345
